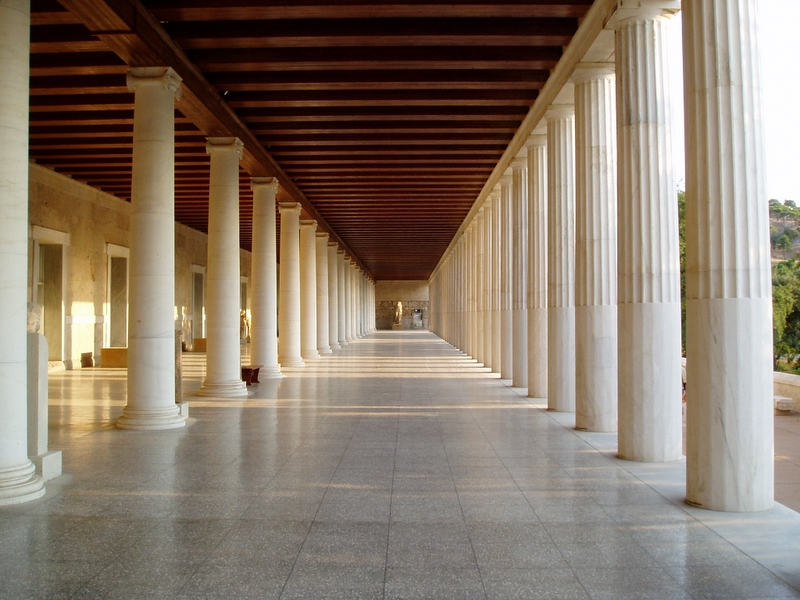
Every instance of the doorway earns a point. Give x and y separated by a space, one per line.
117 297
49 258
198 302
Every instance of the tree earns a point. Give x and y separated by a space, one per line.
784 243
786 312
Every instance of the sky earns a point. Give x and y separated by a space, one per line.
779 45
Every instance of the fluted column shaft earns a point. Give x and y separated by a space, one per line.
333 297
342 291
648 282
223 363
519 260
308 290
497 303
289 297
561 259
469 288
486 284
480 284
537 265
323 328
348 282
506 277
264 279
18 482
595 250
730 424
151 326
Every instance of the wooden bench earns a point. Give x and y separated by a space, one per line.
250 373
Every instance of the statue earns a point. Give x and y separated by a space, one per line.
398 313
34 317
244 325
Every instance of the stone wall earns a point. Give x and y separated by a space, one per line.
93 219
413 295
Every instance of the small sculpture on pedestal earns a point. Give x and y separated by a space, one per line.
398 316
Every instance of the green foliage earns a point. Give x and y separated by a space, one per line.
786 312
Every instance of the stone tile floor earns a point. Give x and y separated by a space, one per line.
396 468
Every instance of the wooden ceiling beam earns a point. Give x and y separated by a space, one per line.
374 78
289 33
138 39
200 10
387 57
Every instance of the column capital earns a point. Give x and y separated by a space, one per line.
633 11
536 140
323 234
508 178
593 71
164 76
557 112
520 161
289 207
261 182
228 144
333 244
308 223
340 251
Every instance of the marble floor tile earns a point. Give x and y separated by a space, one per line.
396 467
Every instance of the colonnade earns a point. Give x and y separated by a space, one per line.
565 281
326 300
580 235
334 304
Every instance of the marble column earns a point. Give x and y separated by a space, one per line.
308 290
537 265
729 404
264 279
289 354
323 328
486 288
561 258
348 299
469 290
352 328
497 302
151 324
333 297
649 310
595 249
519 261
506 277
480 284
342 291
223 362
18 481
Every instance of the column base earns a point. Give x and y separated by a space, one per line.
311 356
336 346
224 389
48 465
273 372
294 361
326 351
151 419
20 484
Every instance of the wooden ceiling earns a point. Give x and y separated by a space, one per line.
383 119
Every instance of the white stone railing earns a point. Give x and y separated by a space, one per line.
788 386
